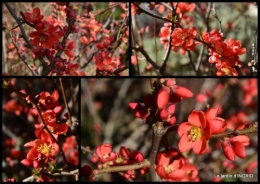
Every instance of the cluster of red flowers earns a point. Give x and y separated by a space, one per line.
46 38
164 100
173 166
105 157
44 148
224 53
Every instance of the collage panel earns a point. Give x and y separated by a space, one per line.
65 38
40 129
169 129
194 39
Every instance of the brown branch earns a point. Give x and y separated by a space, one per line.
252 129
216 16
34 103
103 11
71 173
147 57
141 10
145 163
86 149
70 21
158 132
117 71
22 57
192 64
23 31
245 164
66 102
167 54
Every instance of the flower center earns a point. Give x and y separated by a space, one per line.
119 160
182 36
168 169
34 15
42 38
105 156
227 71
44 149
219 50
195 133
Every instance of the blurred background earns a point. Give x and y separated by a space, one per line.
106 118
18 125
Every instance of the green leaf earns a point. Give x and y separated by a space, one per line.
174 19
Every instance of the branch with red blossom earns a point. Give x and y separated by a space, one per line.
10 9
252 129
71 173
34 103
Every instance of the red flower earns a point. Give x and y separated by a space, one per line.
163 97
69 49
86 171
137 156
50 101
71 69
194 133
185 7
105 42
84 40
49 117
191 172
238 149
35 16
124 152
140 110
165 35
13 106
179 93
169 165
226 70
217 124
42 148
105 153
70 149
55 129
184 38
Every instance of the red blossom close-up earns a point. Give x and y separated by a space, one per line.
40 135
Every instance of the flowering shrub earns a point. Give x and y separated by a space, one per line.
40 138
64 37
199 34
185 129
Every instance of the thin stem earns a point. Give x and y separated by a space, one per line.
34 103
66 102
216 16
167 54
252 129
145 163
20 53
192 64
152 15
71 173
23 31
46 128
147 57
119 70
